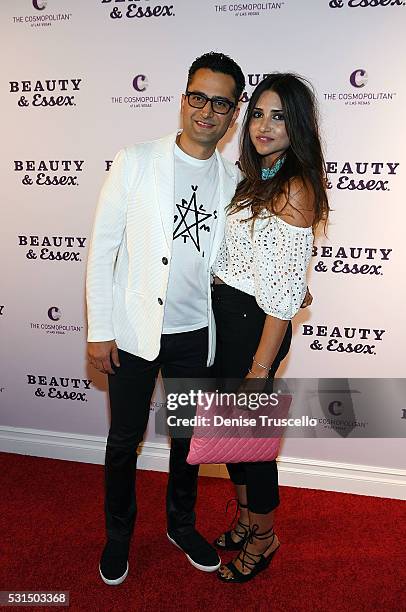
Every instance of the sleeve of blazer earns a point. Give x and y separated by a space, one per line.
107 234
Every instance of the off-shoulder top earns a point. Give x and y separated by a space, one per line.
269 262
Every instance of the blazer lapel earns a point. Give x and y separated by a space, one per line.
164 169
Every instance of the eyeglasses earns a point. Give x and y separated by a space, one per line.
222 106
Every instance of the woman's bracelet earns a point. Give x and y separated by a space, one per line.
251 372
260 364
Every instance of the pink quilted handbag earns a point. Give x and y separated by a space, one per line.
233 441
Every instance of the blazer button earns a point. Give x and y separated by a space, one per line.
164 261
160 302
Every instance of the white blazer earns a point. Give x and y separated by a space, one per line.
131 247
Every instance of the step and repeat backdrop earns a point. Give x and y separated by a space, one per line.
80 80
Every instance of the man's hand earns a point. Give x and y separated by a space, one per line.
102 354
308 299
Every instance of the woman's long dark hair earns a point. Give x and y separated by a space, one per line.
303 158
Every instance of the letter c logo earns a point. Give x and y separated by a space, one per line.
359 78
332 408
140 82
39 4
54 313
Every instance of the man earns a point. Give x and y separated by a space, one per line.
158 227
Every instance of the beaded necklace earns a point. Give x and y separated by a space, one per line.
268 173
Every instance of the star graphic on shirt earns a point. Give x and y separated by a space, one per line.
191 219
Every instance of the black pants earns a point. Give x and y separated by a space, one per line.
182 355
239 323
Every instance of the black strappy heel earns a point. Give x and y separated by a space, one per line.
240 529
255 562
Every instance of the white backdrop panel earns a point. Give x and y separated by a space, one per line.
120 80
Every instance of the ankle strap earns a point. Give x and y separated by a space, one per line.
249 559
254 535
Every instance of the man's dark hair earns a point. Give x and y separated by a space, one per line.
219 62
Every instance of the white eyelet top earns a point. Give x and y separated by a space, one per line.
269 263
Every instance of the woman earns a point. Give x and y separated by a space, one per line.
260 280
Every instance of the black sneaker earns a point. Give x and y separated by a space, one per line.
199 552
113 566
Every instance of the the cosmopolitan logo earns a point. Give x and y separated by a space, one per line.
359 92
53 248
49 172
339 412
343 339
350 260
59 387
140 82
359 78
138 9
54 313
364 3
50 92
343 426
55 324
247 9
360 176
41 16
141 95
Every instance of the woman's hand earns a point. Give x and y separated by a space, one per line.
253 383
308 299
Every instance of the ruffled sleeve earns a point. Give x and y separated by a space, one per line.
282 254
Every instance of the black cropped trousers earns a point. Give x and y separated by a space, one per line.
239 324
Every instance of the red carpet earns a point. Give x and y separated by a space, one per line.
339 552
